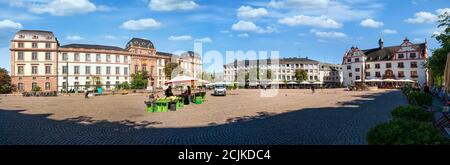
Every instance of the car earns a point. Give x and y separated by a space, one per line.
220 90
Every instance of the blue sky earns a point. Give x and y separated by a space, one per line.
319 29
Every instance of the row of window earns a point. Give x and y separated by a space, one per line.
34 85
399 56
98 58
378 74
388 65
34 69
34 56
98 70
35 45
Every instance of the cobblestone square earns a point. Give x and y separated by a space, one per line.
294 116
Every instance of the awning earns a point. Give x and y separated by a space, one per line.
292 82
181 79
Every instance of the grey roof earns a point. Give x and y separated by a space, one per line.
281 61
97 47
378 54
139 42
28 35
297 59
164 54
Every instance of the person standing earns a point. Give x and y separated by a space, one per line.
169 91
312 89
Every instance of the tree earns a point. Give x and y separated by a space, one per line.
5 81
125 85
36 88
139 80
301 75
169 68
436 63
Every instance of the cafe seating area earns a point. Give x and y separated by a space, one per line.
174 103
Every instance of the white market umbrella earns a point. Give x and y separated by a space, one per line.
181 79
305 83
292 82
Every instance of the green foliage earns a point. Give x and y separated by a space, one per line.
413 113
139 80
436 63
419 98
125 85
301 75
5 82
37 88
405 132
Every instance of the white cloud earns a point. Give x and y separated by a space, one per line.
243 35
63 7
60 7
334 35
140 24
422 17
247 12
442 11
224 31
389 31
305 4
8 24
370 23
321 21
248 26
180 38
74 38
204 40
345 10
171 5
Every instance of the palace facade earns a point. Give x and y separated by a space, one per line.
283 70
38 60
402 63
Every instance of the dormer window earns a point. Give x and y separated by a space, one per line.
35 37
49 37
21 36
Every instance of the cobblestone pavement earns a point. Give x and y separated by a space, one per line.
344 123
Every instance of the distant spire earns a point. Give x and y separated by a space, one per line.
381 43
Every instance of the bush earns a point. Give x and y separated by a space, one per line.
405 132
412 113
419 98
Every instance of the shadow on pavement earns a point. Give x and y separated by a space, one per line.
332 125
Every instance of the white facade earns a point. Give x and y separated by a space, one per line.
404 62
331 74
284 70
84 66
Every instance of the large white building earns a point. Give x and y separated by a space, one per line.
282 70
37 60
381 65
331 74
82 66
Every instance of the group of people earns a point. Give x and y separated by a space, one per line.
186 94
